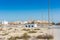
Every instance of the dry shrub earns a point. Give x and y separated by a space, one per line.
32 31
45 37
26 29
37 29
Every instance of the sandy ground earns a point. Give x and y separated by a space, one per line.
7 32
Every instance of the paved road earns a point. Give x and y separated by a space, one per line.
56 34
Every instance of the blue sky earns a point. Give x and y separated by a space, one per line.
12 10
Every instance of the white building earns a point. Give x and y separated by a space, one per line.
36 23
30 24
4 22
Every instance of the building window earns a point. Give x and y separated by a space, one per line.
32 26
26 25
29 25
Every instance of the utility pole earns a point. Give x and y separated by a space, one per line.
49 18
42 19
48 12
